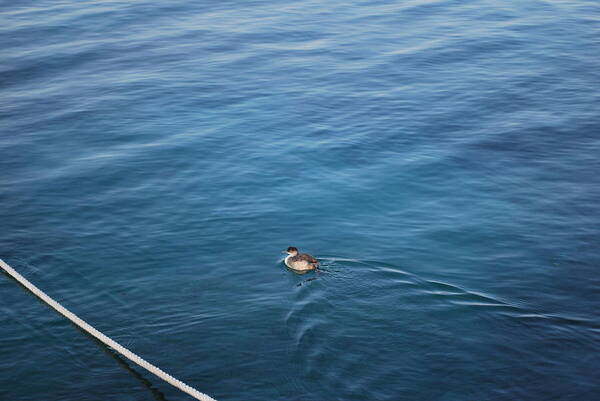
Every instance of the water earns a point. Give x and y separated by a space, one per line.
441 158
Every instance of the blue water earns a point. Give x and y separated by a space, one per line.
440 157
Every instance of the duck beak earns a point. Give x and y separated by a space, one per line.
283 251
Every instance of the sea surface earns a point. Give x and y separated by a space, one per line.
441 159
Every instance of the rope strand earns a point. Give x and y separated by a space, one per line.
106 340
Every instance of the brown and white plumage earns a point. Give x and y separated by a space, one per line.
300 261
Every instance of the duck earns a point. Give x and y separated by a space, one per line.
300 261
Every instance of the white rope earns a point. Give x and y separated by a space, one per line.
106 340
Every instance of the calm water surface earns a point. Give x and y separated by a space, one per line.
440 157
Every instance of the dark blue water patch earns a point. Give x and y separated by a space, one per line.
439 158
429 295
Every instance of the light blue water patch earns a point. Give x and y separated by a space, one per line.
440 158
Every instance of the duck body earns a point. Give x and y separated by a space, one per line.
300 261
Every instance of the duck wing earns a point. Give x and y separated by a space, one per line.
308 258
